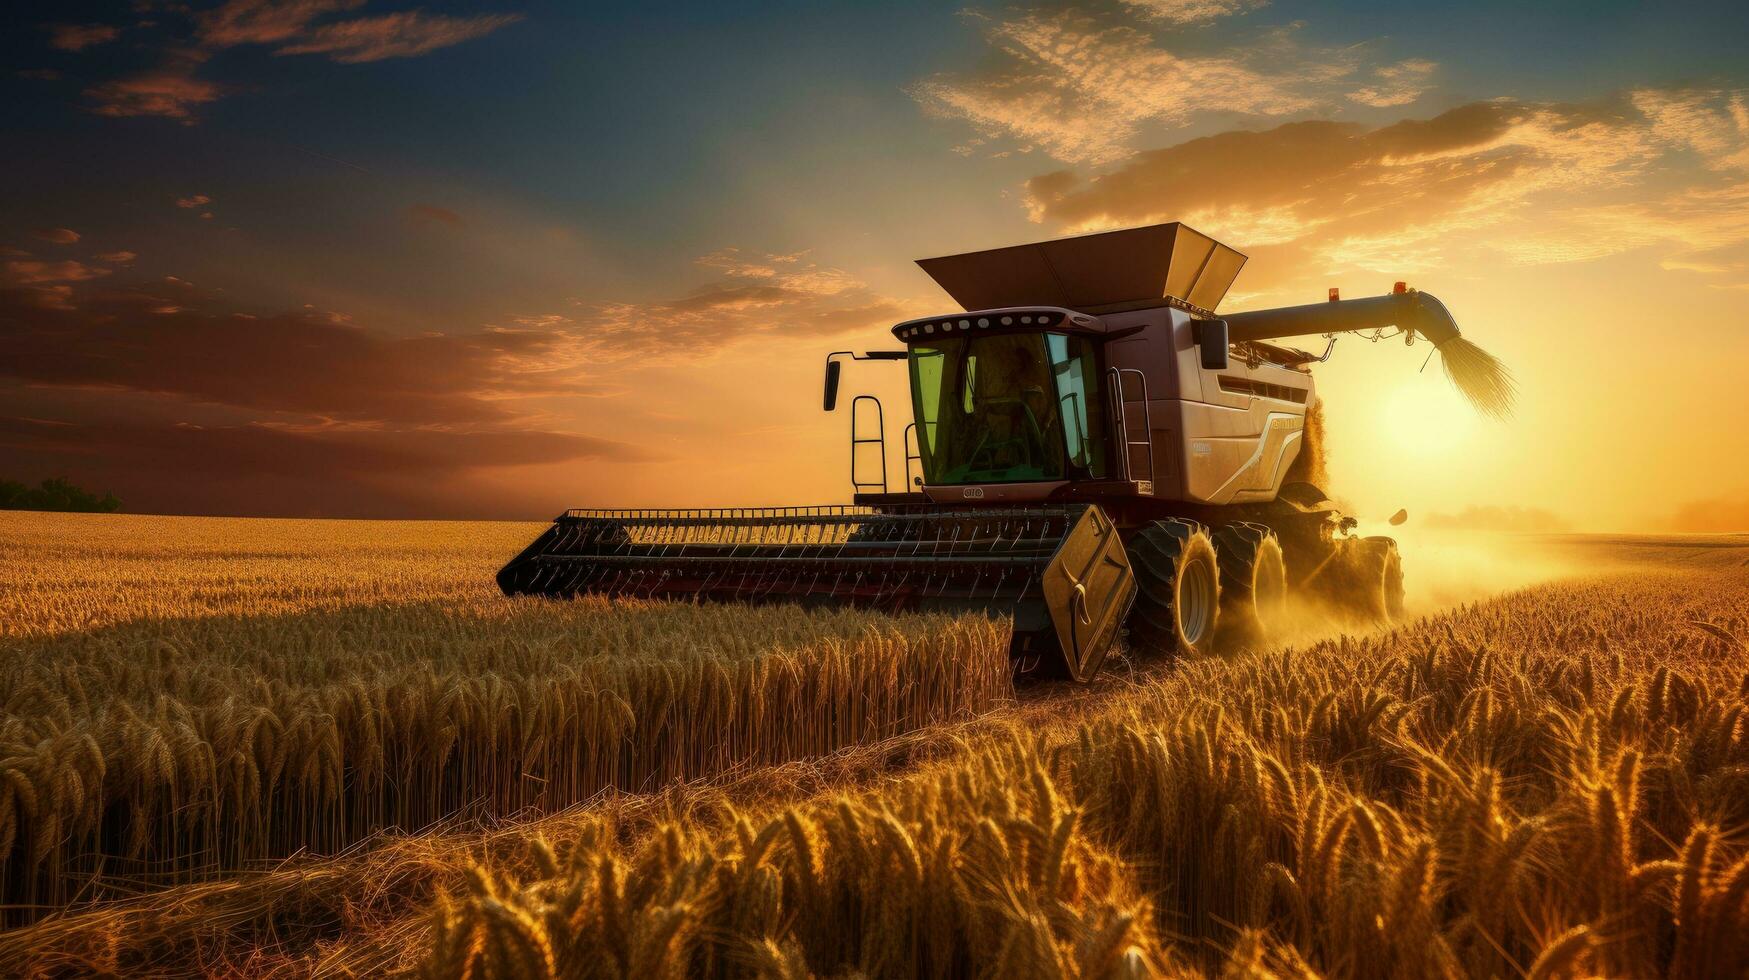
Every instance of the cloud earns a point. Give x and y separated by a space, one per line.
1398 84
1549 182
264 21
1713 124
78 37
164 337
23 272
60 236
1717 515
405 34
172 92
427 213
1193 11
182 405
1693 220
168 466
750 295
117 258
1081 86
193 201
291 24
1516 520
201 450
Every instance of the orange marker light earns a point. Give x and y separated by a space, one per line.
1400 288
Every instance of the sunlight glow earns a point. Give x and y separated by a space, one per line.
1424 419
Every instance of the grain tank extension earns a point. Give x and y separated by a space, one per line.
1094 451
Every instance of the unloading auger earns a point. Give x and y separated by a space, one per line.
1095 449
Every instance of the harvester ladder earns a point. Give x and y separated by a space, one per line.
1123 424
878 439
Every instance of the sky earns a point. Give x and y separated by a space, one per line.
372 259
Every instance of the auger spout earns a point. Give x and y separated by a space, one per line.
1411 310
1477 374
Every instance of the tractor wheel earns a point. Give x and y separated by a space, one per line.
1388 567
1253 581
1362 580
1178 589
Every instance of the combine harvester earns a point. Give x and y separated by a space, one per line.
1095 449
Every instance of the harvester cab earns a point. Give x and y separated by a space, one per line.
1092 448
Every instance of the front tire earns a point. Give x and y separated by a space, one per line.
1178 589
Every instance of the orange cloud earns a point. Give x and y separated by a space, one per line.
264 21
181 405
404 34
60 236
751 296
431 212
1080 87
172 93
78 37
1398 84
1193 11
24 272
165 337
193 201
117 258
1712 123
1550 182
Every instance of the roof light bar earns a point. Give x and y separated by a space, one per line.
1037 318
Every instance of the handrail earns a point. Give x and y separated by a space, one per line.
1123 424
879 439
908 437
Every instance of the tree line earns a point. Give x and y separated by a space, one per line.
55 494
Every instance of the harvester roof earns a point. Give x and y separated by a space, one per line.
1093 273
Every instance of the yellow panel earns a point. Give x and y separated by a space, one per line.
1089 587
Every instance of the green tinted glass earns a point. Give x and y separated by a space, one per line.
1007 408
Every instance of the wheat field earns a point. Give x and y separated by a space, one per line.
384 685
1552 782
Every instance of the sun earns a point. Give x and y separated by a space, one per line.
1424 418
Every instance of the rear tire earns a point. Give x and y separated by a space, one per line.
1253 581
1178 588
1387 565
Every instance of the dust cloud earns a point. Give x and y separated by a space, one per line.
1441 569
1444 568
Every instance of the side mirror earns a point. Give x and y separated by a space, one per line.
1211 343
832 370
